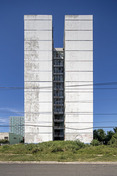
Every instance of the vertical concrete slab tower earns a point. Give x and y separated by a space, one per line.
38 78
79 77
58 82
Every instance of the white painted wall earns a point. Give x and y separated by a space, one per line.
3 135
38 77
78 77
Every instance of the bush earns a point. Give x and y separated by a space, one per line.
95 142
57 149
99 135
80 144
4 141
113 139
35 150
29 147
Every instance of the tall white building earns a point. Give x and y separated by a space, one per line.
58 81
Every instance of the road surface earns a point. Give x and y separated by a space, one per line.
37 169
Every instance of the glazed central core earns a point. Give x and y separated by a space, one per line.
58 94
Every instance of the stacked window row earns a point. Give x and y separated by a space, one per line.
58 96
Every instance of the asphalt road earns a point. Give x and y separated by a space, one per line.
58 169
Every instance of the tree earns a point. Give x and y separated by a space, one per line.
95 134
4 141
100 135
109 136
115 129
113 139
95 142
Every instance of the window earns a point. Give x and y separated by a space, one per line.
6 138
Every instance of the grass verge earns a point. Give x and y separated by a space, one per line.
64 151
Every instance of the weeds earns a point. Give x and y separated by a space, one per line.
58 151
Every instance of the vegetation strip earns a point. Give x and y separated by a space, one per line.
60 151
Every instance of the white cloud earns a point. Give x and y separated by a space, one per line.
6 112
3 120
12 111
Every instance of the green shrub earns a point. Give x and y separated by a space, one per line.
35 150
4 141
30 147
113 140
57 149
80 144
95 142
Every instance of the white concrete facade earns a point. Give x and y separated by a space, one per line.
4 136
37 78
78 47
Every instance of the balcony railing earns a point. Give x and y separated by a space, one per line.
58 120
56 113
58 127
59 105
58 135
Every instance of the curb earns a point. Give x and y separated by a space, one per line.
55 162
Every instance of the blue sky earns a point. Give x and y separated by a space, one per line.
12 51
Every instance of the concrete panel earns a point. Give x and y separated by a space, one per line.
45 129
79 97
78 35
38 56
79 84
38 35
32 107
38 66
79 107
31 66
45 107
45 66
35 137
75 56
47 76
38 25
78 17
78 25
45 118
39 107
79 76
85 137
36 96
38 76
82 128
39 118
82 118
38 45
86 97
47 97
79 45
37 17
32 96
46 85
78 66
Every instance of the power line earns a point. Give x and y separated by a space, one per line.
67 113
71 128
71 122
96 84
90 127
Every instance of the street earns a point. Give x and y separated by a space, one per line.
37 169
